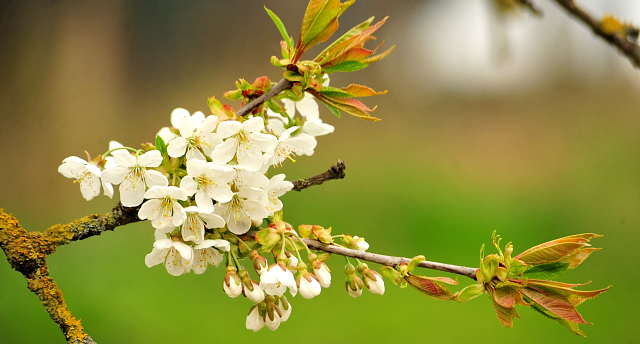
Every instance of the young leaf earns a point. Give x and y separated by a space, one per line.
470 292
571 326
281 28
346 66
505 315
160 145
318 15
354 31
546 271
431 286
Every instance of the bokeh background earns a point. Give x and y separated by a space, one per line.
528 126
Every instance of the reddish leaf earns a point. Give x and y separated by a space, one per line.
579 256
361 91
505 315
554 303
431 286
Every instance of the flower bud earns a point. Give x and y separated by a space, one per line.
255 321
308 286
232 284
372 280
355 243
273 317
321 270
256 295
353 284
284 307
259 262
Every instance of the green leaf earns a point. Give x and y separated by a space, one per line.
392 274
281 28
318 15
332 109
335 92
546 271
415 261
470 292
268 238
160 145
346 66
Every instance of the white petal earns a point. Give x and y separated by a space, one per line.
156 257
177 115
189 185
254 125
225 151
150 159
155 178
90 186
127 160
213 221
308 107
228 128
204 202
148 209
187 126
114 175
177 147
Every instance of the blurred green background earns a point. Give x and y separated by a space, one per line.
522 125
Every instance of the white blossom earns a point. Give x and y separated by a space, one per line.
176 255
208 183
289 146
208 253
242 209
276 188
308 286
193 227
245 142
134 178
195 139
162 207
177 115
277 279
87 175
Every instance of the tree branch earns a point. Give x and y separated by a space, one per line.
389 260
627 47
335 172
282 85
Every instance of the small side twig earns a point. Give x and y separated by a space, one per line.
335 172
531 7
628 48
282 85
389 260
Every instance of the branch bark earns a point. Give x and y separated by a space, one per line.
335 172
389 260
628 48
282 85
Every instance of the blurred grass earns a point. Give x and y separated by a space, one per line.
438 189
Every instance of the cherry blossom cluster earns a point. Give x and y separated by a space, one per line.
203 186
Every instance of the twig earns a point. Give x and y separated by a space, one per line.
630 49
335 172
282 85
389 260
531 7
